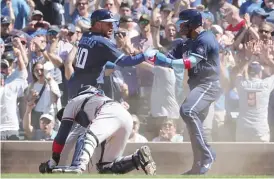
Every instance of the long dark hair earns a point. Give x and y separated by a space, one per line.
32 70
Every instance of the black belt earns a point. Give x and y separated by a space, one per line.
100 107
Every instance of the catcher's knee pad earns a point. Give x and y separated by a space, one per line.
86 144
121 165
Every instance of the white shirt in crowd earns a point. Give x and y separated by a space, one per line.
252 124
138 138
163 100
46 103
13 89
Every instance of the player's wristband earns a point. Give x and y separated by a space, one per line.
187 63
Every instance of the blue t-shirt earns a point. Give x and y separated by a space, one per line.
21 12
249 6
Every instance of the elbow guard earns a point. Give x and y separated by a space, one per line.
186 63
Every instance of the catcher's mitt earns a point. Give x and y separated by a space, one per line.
44 167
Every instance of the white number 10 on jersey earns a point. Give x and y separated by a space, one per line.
81 57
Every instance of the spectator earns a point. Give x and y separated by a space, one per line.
168 133
125 9
258 16
254 94
138 9
53 11
44 91
82 15
161 108
46 124
6 28
126 22
37 23
144 40
208 19
271 116
268 6
10 90
232 17
249 6
135 136
21 12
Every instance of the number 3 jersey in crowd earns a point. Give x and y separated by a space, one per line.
254 96
94 51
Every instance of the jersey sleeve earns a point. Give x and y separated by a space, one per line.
112 53
200 49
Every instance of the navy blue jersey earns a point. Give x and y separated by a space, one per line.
94 51
205 47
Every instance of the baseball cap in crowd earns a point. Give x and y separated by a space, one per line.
167 7
124 5
144 19
260 12
4 64
254 68
47 117
125 19
37 13
53 30
5 20
9 56
208 15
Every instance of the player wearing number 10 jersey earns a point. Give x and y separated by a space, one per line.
95 49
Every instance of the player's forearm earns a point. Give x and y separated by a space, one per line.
60 139
131 60
187 63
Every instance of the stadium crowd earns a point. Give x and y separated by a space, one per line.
39 41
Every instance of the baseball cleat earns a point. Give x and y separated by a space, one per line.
71 169
146 161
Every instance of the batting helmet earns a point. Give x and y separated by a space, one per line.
191 18
102 15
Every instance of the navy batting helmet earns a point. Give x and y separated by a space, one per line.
102 15
191 18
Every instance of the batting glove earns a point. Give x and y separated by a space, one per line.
150 53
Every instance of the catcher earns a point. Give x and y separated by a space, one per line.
107 124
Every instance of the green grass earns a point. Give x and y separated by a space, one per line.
119 176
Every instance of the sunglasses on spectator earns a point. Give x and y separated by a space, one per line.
144 22
36 18
264 31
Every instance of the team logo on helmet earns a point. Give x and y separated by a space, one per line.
111 15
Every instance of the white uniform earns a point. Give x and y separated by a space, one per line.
252 125
110 122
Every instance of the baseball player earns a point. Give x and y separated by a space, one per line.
200 56
107 124
95 49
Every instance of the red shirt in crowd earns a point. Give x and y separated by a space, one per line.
237 27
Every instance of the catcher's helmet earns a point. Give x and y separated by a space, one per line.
191 19
102 15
